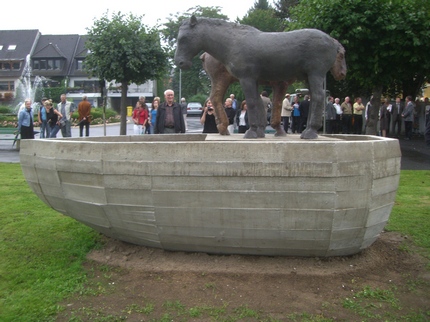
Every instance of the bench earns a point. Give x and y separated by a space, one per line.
9 133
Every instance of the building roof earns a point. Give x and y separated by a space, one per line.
24 40
16 45
81 53
57 46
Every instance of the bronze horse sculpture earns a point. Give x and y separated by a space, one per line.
253 55
221 80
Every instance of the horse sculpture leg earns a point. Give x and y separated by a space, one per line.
216 97
220 81
316 108
257 114
279 90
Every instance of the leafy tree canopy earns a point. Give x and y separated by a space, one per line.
121 48
263 19
283 8
260 4
386 42
171 30
194 81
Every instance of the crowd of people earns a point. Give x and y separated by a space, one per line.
51 120
348 119
171 117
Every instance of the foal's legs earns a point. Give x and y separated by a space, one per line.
220 81
279 90
256 111
317 107
219 87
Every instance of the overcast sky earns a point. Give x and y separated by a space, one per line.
73 17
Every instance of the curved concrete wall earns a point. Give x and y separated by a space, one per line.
217 194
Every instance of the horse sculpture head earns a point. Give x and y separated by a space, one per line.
338 70
188 44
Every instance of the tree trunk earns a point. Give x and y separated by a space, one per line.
103 93
413 86
123 109
373 115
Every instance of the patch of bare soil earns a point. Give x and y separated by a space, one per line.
135 283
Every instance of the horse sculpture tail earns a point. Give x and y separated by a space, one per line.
339 69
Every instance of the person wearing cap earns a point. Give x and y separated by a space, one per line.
43 120
286 112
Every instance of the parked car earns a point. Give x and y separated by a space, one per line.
194 108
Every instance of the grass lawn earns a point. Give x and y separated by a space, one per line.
42 251
411 212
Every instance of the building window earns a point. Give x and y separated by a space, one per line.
88 86
47 64
43 64
7 86
57 64
13 65
79 64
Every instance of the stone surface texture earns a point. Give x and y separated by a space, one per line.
222 194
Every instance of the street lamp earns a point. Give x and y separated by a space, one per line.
180 84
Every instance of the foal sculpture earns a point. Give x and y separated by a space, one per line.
221 80
252 55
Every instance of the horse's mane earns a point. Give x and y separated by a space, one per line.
221 22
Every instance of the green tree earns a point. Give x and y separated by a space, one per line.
193 81
387 43
124 50
283 7
261 4
263 17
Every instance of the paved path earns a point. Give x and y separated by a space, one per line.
415 154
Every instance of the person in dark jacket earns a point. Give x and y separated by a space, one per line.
242 118
330 116
304 112
208 118
408 116
169 119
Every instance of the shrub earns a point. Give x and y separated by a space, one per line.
8 96
198 98
97 116
5 110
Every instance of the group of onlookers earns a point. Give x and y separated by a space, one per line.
170 117
391 117
295 114
348 119
161 118
53 119
237 116
345 118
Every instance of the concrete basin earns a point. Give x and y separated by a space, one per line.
222 194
